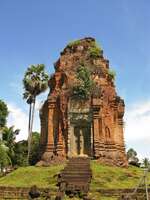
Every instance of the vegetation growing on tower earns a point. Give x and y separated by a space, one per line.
112 73
74 43
95 51
84 84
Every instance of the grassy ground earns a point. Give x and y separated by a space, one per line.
105 177
29 176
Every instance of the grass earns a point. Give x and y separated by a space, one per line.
104 177
28 176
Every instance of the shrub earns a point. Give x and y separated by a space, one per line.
84 83
94 50
112 73
74 43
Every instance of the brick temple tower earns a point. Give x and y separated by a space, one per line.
73 126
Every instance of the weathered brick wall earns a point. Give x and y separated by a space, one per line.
118 193
20 193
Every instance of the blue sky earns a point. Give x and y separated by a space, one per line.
35 31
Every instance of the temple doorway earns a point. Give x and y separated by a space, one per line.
81 141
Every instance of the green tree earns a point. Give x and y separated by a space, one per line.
35 148
84 83
95 51
21 151
4 157
9 137
132 157
35 82
112 73
146 162
3 113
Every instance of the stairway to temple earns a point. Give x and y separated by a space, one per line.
76 176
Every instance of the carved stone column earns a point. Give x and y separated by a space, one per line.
43 134
50 135
96 110
60 143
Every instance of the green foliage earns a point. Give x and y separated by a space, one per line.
83 88
4 157
35 145
132 157
35 81
3 113
131 153
146 162
94 50
74 43
9 137
21 150
112 73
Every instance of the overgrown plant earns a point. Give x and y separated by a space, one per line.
84 84
94 51
112 73
74 43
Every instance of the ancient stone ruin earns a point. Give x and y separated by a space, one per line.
82 116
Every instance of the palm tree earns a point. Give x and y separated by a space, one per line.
35 82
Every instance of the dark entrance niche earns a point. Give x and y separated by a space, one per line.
80 129
83 140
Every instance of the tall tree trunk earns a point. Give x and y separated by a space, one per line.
31 127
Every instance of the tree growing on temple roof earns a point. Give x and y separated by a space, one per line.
84 83
112 73
35 82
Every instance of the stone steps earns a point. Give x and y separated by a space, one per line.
76 175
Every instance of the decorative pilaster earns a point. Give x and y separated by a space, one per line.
96 110
50 131
60 143
49 149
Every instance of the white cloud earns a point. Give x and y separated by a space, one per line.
19 118
137 127
137 119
